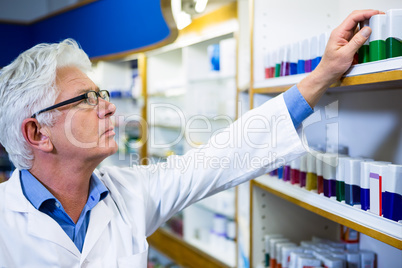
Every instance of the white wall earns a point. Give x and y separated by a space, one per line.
369 123
387 256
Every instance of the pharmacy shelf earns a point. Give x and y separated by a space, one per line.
180 75
382 229
211 209
391 79
278 84
168 126
226 257
169 92
158 155
219 204
164 154
390 64
306 206
211 77
181 252
373 81
225 31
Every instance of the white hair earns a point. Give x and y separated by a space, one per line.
28 85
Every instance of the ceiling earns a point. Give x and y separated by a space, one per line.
26 11
29 10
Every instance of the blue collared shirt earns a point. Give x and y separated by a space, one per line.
297 106
45 202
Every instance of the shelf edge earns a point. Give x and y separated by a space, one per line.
386 238
366 80
182 252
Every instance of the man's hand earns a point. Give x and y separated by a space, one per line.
338 56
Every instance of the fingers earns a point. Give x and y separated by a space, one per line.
357 41
338 56
356 16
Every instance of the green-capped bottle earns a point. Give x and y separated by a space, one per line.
393 40
279 56
340 179
363 52
377 37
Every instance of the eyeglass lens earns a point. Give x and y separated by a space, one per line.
93 97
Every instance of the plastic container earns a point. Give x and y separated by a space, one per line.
340 178
311 178
295 171
314 52
280 173
267 65
307 261
272 249
286 251
286 172
352 181
278 252
303 56
278 61
377 50
273 173
392 193
214 59
285 64
303 170
329 174
368 259
294 56
353 259
365 185
393 41
267 247
363 53
319 171
294 257
322 44
332 262
377 173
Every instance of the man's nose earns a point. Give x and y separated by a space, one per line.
105 108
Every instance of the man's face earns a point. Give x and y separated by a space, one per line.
82 131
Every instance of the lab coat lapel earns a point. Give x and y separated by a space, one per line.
101 215
15 199
39 224
42 226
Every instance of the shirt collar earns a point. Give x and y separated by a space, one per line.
36 193
97 191
33 190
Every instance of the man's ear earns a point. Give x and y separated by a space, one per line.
36 136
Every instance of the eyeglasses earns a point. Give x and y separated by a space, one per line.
91 98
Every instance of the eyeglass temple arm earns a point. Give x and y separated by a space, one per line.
78 98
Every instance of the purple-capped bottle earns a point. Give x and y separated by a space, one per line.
303 170
286 172
329 174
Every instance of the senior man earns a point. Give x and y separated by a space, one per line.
58 210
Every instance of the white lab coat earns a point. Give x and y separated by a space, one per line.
142 198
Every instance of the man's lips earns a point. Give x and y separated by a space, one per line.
109 131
